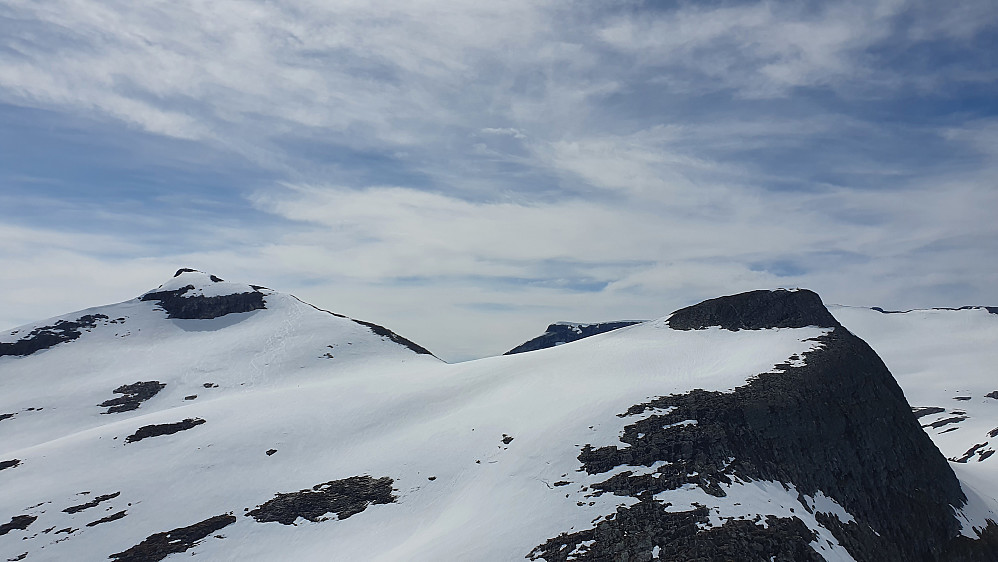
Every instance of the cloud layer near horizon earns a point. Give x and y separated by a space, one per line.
466 173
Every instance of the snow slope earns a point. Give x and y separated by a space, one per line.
483 458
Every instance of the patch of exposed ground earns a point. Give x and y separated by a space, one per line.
108 519
923 411
18 522
940 423
975 450
160 545
678 536
343 498
91 503
44 337
132 395
196 307
156 430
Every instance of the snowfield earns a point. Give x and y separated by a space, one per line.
482 456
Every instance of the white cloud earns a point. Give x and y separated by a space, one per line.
762 49
506 131
536 151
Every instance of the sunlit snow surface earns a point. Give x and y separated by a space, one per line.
334 400
946 359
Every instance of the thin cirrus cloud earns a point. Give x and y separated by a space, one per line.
435 166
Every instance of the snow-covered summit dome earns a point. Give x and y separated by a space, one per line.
196 294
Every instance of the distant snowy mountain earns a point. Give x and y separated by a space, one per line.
561 333
234 422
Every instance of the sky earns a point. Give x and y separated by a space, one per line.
467 172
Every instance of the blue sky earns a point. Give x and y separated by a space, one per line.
467 172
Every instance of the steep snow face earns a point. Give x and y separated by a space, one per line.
946 361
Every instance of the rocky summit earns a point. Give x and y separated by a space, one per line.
235 422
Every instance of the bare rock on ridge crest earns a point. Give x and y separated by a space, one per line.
183 296
756 310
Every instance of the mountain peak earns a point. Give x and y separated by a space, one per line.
185 270
756 310
193 294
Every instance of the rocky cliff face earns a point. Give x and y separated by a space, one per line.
833 422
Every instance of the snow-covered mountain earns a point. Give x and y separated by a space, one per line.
561 333
234 422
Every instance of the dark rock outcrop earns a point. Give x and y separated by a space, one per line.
990 309
108 519
344 498
377 330
18 522
198 307
940 423
557 334
679 537
132 395
386 333
92 503
45 337
9 464
923 411
163 429
756 310
838 424
978 449
160 545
